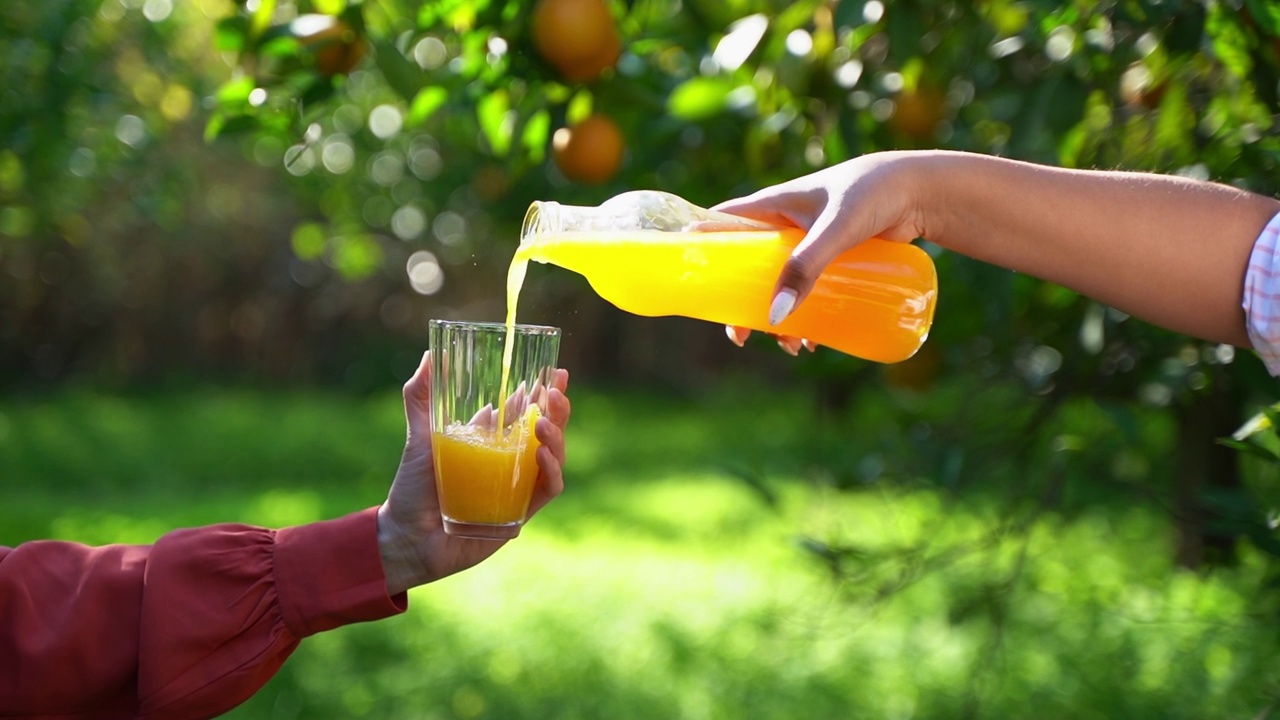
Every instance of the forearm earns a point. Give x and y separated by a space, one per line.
1166 249
190 626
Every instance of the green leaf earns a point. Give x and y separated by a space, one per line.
425 104
1187 30
319 91
1176 122
1265 85
222 124
261 19
1249 448
699 98
850 135
12 175
1071 146
402 75
791 16
1265 541
1266 13
1065 104
580 106
1008 18
496 120
17 221
534 138
308 240
329 7
280 47
834 145
1229 42
233 96
356 256
231 34
1272 415
428 16
904 28
1123 417
849 13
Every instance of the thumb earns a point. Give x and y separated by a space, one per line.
417 399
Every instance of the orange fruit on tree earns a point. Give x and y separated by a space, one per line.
334 45
592 67
917 112
590 151
577 37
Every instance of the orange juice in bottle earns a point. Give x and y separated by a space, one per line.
643 252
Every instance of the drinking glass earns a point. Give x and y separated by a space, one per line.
482 431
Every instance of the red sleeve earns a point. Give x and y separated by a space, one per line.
187 628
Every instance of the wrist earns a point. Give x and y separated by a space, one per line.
400 564
934 179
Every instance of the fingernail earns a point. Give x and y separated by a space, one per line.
783 303
733 336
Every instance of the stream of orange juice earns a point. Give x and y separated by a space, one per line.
874 301
515 281
500 470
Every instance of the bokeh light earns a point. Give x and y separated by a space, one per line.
385 121
338 155
430 53
386 168
408 222
450 228
131 130
426 277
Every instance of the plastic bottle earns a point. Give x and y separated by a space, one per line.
655 254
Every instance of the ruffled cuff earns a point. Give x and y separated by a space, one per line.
1261 299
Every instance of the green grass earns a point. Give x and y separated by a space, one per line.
676 577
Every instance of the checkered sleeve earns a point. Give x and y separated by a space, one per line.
1262 295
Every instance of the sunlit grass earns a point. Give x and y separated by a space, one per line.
680 575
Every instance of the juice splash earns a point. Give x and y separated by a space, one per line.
874 301
501 471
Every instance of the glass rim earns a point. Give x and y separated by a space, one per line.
520 328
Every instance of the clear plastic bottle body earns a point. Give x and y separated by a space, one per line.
655 254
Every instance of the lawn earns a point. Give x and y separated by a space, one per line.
689 571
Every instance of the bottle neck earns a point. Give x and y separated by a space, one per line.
637 210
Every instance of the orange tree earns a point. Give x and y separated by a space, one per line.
456 108
416 133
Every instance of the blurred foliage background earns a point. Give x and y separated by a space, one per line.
273 196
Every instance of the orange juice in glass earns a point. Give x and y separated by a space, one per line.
482 433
